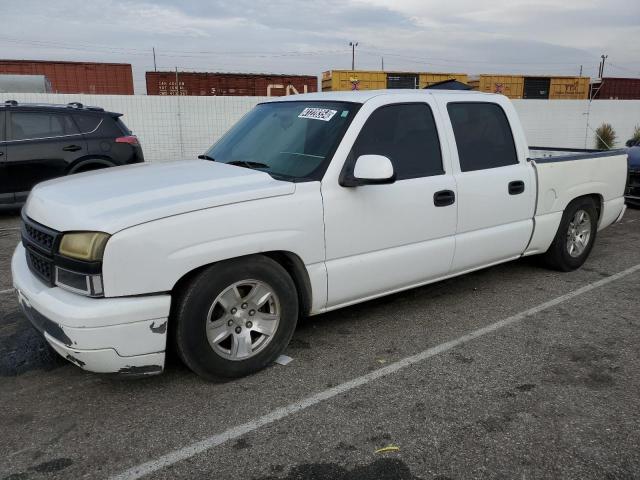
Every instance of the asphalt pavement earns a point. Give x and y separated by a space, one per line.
514 371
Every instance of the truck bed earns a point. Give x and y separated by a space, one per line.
552 154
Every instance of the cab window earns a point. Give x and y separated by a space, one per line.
407 135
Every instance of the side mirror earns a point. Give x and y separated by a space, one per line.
368 170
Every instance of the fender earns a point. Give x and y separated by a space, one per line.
92 160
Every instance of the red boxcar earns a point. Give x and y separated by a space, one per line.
77 77
228 84
612 88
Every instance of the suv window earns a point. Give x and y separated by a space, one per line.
483 136
33 125
1 126
407 135
87 123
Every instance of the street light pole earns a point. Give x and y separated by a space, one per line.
353 46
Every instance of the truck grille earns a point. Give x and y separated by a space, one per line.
40 243
38 235
41 266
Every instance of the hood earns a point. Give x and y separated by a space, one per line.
120 197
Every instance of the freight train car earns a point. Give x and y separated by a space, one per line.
338 80
228 84
76 77
612 88
534 87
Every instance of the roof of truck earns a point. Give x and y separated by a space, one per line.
361 96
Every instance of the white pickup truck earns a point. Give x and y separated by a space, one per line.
308 204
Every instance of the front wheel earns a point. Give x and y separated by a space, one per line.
235 317
575 237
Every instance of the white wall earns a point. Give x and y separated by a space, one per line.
563 123
168 127
174 128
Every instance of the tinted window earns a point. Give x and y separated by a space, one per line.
70 127
483 136
36 125
87 123
407 135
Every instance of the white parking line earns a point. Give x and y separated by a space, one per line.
280 413
8 290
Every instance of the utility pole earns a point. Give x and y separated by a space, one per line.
601 66
353 46
603 57
383 64
580 70
154 59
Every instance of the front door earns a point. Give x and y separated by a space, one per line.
382 238
40 146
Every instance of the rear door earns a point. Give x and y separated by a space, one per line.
41 145
6 189
496 185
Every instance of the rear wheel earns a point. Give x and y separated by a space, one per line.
575 237
235 317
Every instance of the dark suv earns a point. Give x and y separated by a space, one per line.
39 142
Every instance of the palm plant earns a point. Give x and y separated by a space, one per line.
605 137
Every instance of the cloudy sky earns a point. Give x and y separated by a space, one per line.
308 37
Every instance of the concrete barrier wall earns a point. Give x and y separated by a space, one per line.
174 128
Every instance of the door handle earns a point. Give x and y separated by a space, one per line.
72 148
1 153
516 187
444 198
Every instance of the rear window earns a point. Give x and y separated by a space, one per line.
87 123
122 126
483 136
109 126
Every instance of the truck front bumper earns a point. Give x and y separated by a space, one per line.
106 335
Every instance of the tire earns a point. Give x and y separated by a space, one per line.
570 249
220 323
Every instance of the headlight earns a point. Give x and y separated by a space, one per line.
79 262
87 246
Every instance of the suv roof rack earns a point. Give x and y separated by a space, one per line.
13 103
75 105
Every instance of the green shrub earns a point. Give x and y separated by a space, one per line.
605 137
636 134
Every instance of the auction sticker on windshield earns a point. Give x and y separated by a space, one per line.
323 114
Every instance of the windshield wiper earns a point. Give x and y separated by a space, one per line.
248 164
206 157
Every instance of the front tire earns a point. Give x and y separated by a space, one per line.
235 317
575 237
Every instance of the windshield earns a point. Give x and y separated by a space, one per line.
288 140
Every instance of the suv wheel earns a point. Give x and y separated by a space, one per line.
575 237
235 317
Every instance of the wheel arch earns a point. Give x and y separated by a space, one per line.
291 262
101 160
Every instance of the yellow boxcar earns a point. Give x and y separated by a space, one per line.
427 79
569 88
339 80
511 86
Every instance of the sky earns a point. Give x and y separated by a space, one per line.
309 37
